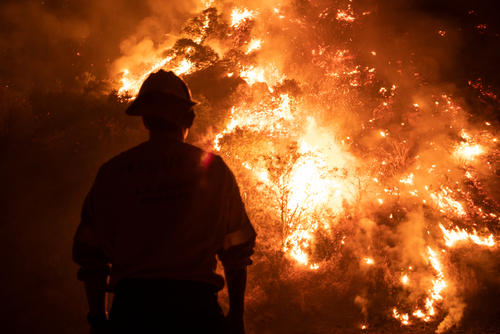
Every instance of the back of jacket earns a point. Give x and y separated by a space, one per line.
162 209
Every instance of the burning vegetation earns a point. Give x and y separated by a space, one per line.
360 175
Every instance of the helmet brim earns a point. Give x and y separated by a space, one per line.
147 103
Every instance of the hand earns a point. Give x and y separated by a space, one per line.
235 323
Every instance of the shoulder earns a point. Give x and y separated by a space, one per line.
149 152
207 159
128 155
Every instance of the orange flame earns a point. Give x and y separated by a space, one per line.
456 235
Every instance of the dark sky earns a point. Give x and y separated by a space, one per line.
479 30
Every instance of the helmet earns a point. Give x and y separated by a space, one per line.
165 95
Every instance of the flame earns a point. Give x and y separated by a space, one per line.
208 3
185 67
408 179
131 84
420 314
435 293
259 117
438 284
468 150
252 75
310 188
345 15
402 317
446 203
296 244
452 236
254 45
238 16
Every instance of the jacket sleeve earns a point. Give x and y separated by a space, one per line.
86 247
237 256
239 240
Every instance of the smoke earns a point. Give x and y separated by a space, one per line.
411 240
362 303
152 34
44 42
35 39
455 308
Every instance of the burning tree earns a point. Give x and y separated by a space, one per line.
360 179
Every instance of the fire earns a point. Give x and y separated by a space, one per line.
238 16
185 67
296 243
309 189
438 284
446 203
408 179
253 75
467 151
452 236
264 116
345 15
264 176
435 292
420 314
315 170
131 84
254 45
402 317
208 3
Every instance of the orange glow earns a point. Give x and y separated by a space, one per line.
238 16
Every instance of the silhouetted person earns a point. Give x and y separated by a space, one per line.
152 224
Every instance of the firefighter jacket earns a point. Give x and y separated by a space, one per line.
164 209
